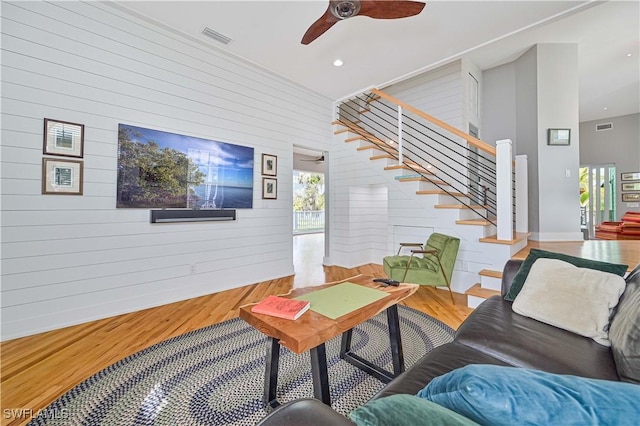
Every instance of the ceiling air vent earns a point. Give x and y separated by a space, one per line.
604 126
216 35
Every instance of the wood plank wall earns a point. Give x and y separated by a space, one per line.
70 259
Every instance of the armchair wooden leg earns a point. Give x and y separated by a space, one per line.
451 294
446 280
407 268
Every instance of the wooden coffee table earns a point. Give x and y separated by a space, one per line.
312 330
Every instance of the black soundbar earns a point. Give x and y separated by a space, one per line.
169 216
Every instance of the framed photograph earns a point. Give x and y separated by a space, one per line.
63 138
631 197
269 188
631 186
269 165
61 177
630 176
559 137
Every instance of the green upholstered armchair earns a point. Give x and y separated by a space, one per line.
431 264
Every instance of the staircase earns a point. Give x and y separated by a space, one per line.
452 199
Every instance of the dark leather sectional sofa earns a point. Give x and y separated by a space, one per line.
492 334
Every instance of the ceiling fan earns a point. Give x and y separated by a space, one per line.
315 160
339 10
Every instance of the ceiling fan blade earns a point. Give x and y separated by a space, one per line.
390 9
319 27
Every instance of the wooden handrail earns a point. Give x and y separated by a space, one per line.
470 139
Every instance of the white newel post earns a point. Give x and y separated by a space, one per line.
522 194
400 135
504 189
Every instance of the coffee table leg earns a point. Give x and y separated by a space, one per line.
271 372
345 346
395 339
319 374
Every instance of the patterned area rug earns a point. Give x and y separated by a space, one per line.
215 376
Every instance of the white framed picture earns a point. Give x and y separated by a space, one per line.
269 188
61 177
63 138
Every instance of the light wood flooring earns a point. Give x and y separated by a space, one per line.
38 369
625 252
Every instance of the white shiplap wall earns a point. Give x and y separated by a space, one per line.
438 92
70 259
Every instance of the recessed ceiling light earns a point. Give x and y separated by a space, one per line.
338 63
628 54
605 108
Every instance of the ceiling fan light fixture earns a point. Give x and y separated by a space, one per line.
343 9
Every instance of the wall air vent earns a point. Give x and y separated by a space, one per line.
604 126
216 35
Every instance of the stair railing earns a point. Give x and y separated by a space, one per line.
425 144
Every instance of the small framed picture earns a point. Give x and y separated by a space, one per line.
631 186
269 188
630 176
631 197
559 137
63 138
61 177
269 165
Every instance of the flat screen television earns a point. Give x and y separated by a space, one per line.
166 170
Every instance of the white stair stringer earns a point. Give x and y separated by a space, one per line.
412 217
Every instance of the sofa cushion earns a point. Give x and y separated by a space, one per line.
437 362
493 328
579 300
624 333
497 395
535 254
406 410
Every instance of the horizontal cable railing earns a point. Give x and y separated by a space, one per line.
459 164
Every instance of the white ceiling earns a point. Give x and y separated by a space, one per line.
376 52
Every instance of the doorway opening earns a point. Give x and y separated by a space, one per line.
597 197
309 218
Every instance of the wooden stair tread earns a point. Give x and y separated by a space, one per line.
517 237
355 138
422 179
342 130
406 167
490 273
475 222
484 293
373 146
381 156
440 192
458 206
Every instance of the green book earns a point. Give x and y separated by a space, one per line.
340 299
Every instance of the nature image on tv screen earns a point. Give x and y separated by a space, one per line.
165 170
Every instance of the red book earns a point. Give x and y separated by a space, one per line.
281 307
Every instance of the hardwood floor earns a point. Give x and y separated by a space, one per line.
38 369
624 252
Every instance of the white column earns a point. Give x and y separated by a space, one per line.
522 194
400 135
504 189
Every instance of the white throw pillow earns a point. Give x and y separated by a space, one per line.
579 300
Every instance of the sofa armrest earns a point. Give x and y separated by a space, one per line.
510 269
305 411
